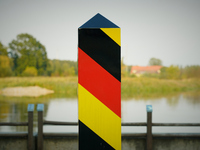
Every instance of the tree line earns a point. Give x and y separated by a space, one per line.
175 72
172 72
26 56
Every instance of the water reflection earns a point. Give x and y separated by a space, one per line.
178 109
182 108
62 110
11 112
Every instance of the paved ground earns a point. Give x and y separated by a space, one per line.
32 91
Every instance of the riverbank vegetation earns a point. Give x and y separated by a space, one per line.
24 62
130 87
62 86
144 87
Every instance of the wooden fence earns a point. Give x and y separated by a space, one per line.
29 123
40 108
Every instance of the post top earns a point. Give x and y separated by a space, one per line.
149 108
30 107
99 21
40 107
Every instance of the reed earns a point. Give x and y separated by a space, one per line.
152 87
130 87
62 86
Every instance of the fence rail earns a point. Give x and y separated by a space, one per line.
29 135
60 123
47 122
40 108
176 124
24 134
13 123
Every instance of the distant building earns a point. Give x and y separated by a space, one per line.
139 70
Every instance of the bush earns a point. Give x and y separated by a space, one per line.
173 72
30 72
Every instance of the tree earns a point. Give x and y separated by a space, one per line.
26 51
191 71
62 68
173 72
5 63
123 68
163 73
3 50
67 70
155 62
5 66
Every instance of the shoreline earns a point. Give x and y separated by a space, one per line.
30 91
130 87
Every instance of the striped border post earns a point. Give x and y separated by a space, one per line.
99 84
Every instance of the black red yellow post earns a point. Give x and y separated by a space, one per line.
99 85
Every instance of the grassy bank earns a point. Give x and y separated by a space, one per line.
62 86
152 87
131 87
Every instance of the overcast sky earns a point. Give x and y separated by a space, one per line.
168 30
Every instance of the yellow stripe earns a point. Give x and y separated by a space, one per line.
99 118
113 33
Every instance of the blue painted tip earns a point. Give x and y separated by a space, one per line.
30 107
99 21
40 107
149 108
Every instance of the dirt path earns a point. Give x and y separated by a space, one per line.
31 91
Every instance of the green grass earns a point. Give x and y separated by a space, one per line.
152 87
130 87
62 86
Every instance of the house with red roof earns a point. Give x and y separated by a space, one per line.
139 70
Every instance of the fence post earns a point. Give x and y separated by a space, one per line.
40 109
30 126
149 145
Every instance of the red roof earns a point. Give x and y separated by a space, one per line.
147 69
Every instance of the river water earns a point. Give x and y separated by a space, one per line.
181 108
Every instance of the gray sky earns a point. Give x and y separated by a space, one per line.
168 30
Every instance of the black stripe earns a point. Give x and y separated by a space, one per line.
88 140
101 48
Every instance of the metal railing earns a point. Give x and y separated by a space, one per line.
29 123
40 136
148 135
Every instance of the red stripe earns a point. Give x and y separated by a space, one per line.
99 82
